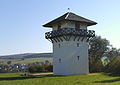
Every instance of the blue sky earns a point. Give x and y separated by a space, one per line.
21 22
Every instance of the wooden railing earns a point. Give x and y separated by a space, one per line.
70 31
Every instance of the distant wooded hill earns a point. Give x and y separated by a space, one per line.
28 55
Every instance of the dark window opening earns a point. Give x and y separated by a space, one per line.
78 44
78 57
59 60
77 25
59 26
59 45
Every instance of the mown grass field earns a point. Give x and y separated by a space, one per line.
93 79
26 60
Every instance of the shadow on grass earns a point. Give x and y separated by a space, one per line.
16 78
108 81
113 75
26 77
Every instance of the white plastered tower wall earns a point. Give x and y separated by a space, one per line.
68 51
70 44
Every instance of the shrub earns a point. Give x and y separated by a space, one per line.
35 68
49 68
95 66
9 62
113 67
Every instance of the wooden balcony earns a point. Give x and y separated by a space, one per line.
69 31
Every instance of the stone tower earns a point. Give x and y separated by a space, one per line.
70 38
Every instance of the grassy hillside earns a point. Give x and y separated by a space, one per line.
28 55
26 60
30 60
93 79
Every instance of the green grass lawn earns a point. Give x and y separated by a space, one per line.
95 79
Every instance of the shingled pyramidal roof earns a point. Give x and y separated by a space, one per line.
69 16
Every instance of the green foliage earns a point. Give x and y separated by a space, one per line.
9 62
112 53
98 48
35 68
113 67
96 67
49 67
23 59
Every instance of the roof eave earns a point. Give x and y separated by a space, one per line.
90 24
51 24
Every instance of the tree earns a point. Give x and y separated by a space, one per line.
113 67
35 68
112 53
9 62
48 67
98 47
